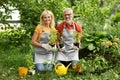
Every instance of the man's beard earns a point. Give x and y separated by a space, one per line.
68 21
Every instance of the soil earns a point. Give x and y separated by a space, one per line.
76 44
61 45
83 53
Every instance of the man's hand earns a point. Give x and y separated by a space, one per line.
62 49
75 47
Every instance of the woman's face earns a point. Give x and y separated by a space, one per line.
47 18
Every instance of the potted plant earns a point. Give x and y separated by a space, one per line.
53 37
77 38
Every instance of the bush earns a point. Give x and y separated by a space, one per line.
15 37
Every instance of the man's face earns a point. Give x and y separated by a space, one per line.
68 15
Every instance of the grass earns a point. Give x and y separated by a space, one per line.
13 58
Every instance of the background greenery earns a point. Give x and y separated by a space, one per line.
100 45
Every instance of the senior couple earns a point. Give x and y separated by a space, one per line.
68 52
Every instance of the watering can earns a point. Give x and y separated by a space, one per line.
60 69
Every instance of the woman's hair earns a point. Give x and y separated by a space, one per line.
52 24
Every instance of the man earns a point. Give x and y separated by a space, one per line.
68 53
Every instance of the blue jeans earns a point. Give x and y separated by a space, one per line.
74 62
43 67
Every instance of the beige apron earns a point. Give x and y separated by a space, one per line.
68 54
41 54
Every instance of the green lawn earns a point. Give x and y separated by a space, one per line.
13 58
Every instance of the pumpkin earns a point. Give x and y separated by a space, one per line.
77 68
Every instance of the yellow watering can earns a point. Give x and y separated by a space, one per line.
60 69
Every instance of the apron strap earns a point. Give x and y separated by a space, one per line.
64 26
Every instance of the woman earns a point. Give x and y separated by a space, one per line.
43 55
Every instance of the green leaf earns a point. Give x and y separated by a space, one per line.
91 46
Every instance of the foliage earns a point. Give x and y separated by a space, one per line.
14 36
35 7
53 37
97 68
88 15
92 14
99 62
116 18
101 42
101 34
4 4
92 39
77 36
29 58
30 11
110 46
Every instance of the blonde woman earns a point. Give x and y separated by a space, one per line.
43 55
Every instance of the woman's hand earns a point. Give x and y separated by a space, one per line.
47 46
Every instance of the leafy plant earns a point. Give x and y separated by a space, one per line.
91 41
92 64
101 42
11 59
77 36
110 46
15 37
29 59
116 18
53 37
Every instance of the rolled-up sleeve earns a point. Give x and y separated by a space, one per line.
78 28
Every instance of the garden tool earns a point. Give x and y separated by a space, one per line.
61 69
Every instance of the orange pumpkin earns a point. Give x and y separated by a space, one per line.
22 71
77 68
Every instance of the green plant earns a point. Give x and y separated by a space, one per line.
29 58
111 46
53 37
92 64
15 37
77 36
116 18
91 41
13 58
101 42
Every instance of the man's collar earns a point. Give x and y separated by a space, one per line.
67 24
